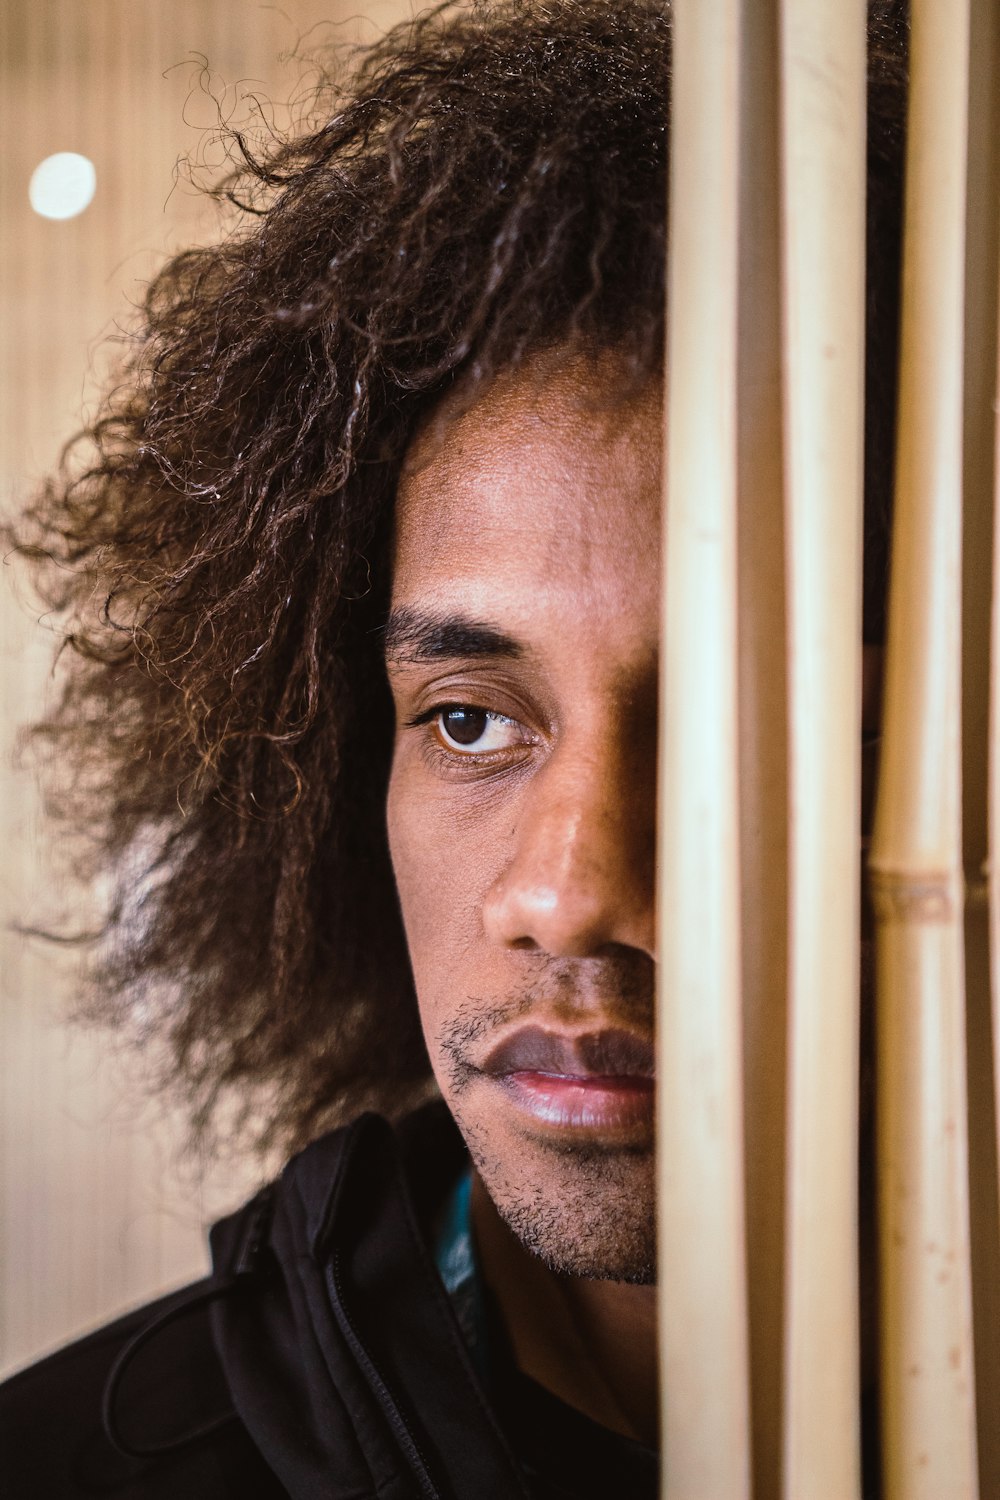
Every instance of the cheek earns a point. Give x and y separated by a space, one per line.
449 844
412 849
441 860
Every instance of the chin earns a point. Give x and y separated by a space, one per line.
584 1211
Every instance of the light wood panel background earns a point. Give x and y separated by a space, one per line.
97 1211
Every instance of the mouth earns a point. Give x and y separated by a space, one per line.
598 1084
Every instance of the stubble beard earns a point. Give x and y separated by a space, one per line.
584 1211
584 1208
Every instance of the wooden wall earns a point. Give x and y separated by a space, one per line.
96 1211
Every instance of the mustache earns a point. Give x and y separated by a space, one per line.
615 995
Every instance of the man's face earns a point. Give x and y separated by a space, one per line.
522 655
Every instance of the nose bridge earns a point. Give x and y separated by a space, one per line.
580 873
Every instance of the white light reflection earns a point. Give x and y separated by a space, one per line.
62 185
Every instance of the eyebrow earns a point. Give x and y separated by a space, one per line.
414 636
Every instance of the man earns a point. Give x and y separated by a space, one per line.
365 722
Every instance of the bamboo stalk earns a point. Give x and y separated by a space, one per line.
978 544
982 225
993 788
701 1201
763 738
823 58
928 1421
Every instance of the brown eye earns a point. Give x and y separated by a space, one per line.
479 731
464 726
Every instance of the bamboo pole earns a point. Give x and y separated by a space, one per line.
763 739
705 1423
982 225
928 1421
992 870
978 544
823 66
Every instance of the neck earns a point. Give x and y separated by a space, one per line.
591 1343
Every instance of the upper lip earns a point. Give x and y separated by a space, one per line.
608 1054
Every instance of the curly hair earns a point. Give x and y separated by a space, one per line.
487 182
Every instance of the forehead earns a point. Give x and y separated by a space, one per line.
550 483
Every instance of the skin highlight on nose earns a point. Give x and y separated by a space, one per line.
575 885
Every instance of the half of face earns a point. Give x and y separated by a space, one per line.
522 656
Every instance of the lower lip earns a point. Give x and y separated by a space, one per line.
598 1105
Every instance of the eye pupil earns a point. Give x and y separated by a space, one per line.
464 725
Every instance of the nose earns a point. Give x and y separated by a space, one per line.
580 877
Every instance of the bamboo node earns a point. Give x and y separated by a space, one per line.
901 897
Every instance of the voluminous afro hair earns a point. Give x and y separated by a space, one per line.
488 182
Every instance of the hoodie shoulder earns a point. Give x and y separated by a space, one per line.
170 1430
263 1380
